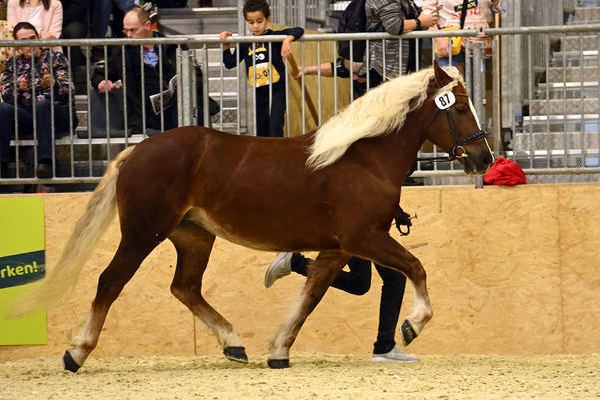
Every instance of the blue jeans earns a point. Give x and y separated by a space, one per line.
25 120
456 60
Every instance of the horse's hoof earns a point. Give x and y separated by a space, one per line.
69 363
408 333
278 364
236 353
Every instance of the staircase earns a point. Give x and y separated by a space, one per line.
223 87
561 129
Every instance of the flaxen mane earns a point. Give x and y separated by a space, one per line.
380 110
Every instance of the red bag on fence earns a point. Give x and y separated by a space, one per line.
505 172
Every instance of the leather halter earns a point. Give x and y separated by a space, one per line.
458 144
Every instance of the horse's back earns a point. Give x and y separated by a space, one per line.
196 164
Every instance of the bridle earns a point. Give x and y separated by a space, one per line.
453 154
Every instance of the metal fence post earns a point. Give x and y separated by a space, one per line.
185 88
478 77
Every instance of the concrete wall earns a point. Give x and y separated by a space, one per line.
510 271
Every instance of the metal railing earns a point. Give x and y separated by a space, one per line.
299 12
550 138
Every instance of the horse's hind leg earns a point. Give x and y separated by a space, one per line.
123 266
194 244
320 275
381 248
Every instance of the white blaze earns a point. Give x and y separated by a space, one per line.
474 113
479 126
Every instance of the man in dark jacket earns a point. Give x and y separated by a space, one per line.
137 25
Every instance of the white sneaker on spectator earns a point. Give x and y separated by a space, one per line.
394 355
280 267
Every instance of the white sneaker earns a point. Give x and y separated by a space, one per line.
280 267
394 355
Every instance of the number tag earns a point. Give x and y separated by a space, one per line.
444 101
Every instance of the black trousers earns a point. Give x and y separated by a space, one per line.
75 30
358 281
269 121
43 110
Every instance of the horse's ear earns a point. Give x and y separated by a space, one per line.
441 76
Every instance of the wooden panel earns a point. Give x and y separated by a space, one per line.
579 244
510 271
494 273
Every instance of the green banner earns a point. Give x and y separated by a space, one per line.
22 261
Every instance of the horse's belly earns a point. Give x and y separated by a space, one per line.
202 218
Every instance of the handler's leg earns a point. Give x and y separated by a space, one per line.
392 293
356 281
320 275
381 248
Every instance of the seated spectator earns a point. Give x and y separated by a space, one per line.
75 26
19 82
137 25
45 15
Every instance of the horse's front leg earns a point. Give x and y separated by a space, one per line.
381 248
320 275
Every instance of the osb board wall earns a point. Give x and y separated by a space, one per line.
510 271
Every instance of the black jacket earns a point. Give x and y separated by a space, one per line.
230 58
133 78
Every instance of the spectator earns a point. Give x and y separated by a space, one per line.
342 70
45 15
396 18
170 3
391 16
75 26
101 16
477 16
138 25
269 122
34 80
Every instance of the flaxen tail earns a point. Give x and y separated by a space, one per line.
98 215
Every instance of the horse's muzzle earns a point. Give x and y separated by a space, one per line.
477 163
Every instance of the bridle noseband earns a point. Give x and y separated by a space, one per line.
453 153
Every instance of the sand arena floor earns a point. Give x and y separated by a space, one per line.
312 376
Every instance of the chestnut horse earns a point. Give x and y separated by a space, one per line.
334 190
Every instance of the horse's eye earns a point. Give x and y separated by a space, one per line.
461 108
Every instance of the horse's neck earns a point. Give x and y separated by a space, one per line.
408 141
395 153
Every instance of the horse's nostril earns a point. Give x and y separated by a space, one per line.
487 159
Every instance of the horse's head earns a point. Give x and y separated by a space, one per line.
455 127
